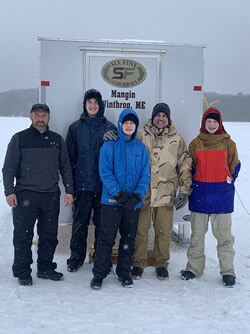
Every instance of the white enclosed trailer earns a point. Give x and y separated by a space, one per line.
128 73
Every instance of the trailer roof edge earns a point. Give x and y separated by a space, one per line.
115 41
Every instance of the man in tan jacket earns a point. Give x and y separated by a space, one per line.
170 165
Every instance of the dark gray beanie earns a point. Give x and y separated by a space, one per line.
161 107
214 116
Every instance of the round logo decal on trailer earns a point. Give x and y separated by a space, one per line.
123 73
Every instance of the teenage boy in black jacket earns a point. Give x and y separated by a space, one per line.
84 140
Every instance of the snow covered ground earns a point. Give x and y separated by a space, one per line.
152 306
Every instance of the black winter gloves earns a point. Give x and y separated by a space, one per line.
132 201
129 201
122 197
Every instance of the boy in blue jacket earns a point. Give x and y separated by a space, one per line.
125 174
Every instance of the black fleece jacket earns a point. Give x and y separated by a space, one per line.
34 160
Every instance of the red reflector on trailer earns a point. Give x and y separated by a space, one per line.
197 88
44 83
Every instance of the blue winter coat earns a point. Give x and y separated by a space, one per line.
84 140
124 166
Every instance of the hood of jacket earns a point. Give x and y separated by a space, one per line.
93 93
212 110
123 114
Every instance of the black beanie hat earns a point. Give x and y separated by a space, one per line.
132 118
213 116
161 107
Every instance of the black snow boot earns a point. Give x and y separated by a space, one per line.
126 281
187 275
50 274
228 280
25 280
162 273
74 266
136 272
96 283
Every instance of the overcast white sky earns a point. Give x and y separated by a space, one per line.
222 25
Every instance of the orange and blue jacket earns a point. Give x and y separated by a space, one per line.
215 168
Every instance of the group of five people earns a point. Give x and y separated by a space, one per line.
128 178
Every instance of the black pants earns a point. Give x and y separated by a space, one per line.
32 206
84 202
114 218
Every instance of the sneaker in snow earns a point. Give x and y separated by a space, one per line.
136 273
187 275
228 280
50 274
162 273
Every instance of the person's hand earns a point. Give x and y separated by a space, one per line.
181 201
110 135
12 200
122 197
68 199
132 201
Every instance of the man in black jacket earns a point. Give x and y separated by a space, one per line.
84 140
34 158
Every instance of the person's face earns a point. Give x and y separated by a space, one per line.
92 107
211 125
160 120
128 128
40 119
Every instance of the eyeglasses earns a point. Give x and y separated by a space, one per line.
40 106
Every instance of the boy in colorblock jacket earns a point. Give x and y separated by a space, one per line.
215 169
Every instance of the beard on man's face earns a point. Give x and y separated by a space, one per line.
40 125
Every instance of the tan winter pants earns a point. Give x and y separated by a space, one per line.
221 228
162 218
